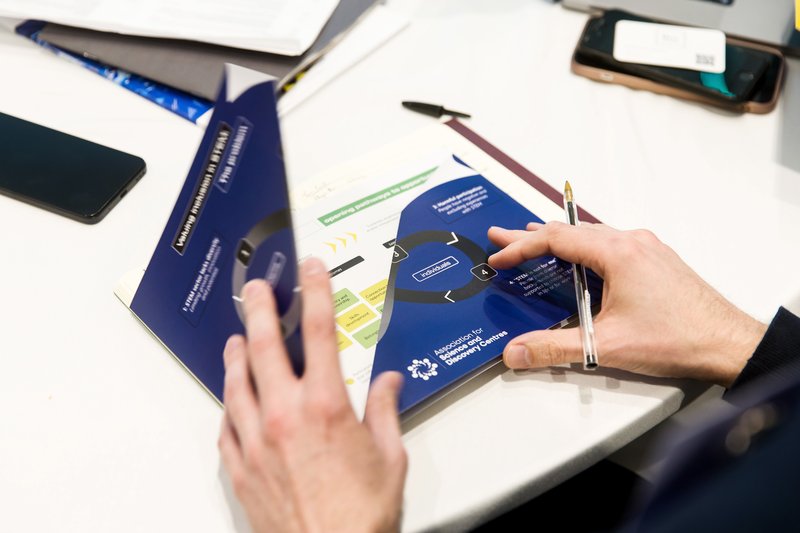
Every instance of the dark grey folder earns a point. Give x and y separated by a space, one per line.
194 67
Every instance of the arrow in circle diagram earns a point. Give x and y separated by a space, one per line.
447 296
455 238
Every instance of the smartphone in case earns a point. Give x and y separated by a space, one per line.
61 173
751 81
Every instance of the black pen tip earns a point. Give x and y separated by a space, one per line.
432 109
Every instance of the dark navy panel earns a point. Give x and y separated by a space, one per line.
237 180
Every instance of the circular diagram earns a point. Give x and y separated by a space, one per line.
269 234
482 273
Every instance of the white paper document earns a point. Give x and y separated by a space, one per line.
287 27
666 45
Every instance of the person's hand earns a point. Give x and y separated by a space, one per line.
658 316
298 458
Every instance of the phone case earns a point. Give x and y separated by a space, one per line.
766 105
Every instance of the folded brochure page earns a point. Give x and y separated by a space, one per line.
231 220
405 242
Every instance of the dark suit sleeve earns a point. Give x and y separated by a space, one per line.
738 468
776 352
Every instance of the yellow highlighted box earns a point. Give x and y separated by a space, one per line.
368 336
375 294
354 318
342 341
342 300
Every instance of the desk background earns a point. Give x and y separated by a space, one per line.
100 430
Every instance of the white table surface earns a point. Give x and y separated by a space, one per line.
100 430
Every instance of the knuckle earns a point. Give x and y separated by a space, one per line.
239 482
626 247
399 457
276 426
646 236
251 452
555 228
550 354
558 233
262 343
327 407
319 320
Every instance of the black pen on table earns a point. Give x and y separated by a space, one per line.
433 110
582 294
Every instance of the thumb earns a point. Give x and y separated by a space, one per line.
537 349
381 416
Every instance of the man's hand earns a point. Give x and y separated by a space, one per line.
298 457
658 316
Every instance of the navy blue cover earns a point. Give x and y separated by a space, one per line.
447 313
236 181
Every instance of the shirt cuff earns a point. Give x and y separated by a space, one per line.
776 353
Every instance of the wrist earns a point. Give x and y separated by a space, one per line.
742 337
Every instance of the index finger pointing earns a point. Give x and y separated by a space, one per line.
576 244
503 237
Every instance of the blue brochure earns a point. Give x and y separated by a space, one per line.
413 290
179 102
447 313
231 223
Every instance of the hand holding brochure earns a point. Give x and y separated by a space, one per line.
405 241
231 222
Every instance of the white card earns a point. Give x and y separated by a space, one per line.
665 45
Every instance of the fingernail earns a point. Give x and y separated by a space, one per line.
230 345
252 287
400 381
312 265
517 356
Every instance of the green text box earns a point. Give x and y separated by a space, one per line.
375 198
342 300
368 336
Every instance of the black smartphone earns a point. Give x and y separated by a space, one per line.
744 65
62 173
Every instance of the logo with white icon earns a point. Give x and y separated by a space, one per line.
423 369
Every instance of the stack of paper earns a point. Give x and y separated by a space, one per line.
287 27
183 76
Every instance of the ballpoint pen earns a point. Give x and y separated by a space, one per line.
581 291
